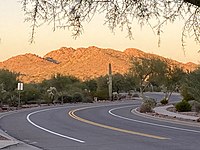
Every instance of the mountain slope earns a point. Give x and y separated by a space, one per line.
31 67
84 63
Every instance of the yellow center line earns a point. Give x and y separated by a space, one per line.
72 114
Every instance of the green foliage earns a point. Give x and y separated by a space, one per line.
118 82
60 82
123 83
77 97
67 99
65 87
31 94
172 80
87 99
145 107
152 102
164 101
147 70
185 93
156 89
12 100
46 99
8 80
131 82
102 95
102 88
91 85
183 106
8 83
52 94
195 106
192 82
102 83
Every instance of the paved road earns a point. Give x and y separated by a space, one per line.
108 126
159 96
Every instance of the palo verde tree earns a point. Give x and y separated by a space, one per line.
146 70
192 82
123 83
172 80
71 14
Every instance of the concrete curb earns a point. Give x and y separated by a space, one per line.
7 144
11 143
8 141
170 120
163 111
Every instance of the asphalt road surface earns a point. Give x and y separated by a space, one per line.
98 126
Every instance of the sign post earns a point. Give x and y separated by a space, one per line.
19 88
110 82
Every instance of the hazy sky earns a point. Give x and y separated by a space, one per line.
15 35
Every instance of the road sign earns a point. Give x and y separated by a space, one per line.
20 86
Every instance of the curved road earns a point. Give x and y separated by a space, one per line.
99 126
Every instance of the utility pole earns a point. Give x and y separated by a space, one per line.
110 82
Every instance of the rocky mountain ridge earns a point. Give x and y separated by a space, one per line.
84 63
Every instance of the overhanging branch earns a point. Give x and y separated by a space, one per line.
194 2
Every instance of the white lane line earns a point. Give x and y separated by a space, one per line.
149 123
49 131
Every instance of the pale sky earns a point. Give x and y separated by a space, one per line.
15 35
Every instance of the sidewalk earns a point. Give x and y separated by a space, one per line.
6 141
9 143
163 111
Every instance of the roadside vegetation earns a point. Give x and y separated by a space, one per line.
144 75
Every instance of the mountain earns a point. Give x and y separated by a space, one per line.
84 63
32 68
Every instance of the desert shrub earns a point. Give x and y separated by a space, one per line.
164 101
102 95
30 94
195 106
66 98
188 97
87 99
185 94
156 89
145 107
183 106
152 102
77 97
13 100
148 105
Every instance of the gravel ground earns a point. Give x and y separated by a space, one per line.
191 113
172 109
3 138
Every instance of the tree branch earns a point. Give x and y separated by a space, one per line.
194 2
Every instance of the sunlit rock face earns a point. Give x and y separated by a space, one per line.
83 63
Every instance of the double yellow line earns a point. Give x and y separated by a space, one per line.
72 114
